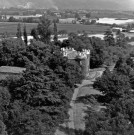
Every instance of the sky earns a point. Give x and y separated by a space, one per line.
88 4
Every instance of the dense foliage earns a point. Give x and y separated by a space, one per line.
36 102
118 116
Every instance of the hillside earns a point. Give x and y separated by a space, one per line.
74 4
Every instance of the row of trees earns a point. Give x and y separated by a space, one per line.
19 33
42 32
25 20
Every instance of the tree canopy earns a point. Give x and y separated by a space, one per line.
37 101
117 116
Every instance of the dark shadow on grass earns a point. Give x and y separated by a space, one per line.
88 85
100 99
87 99
93 100
69 131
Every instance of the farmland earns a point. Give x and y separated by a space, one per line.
79 27
11 28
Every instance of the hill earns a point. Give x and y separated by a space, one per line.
73 4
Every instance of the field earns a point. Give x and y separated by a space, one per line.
11 28
79 27
113 14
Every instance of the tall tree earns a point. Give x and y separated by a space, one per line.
129 27
109 38
19 34
25 35
88 15
55 32
34 33
44 30
97 53
77 16
120 39
113 85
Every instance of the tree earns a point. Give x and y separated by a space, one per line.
34 33
2 128
55 32
12 19
88 15
77 42
109 39
93 22
4 103
95 121
25 35
108 122
19 34
11 52
5 35
113 85
120 40
129 27
97 53
44 30
123 68
77 16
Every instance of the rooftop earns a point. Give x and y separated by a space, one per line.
13 70
72 54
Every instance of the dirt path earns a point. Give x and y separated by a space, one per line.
70 124
76 112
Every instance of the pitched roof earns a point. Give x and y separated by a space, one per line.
13 70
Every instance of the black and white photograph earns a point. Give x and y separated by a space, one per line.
66 67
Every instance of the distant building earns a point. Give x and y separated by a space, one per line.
21 17
67 20
116 29
131 31
58 15
85 20
6 71
124 30
83 56
4 17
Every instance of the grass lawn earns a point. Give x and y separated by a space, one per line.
11 28
87 90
